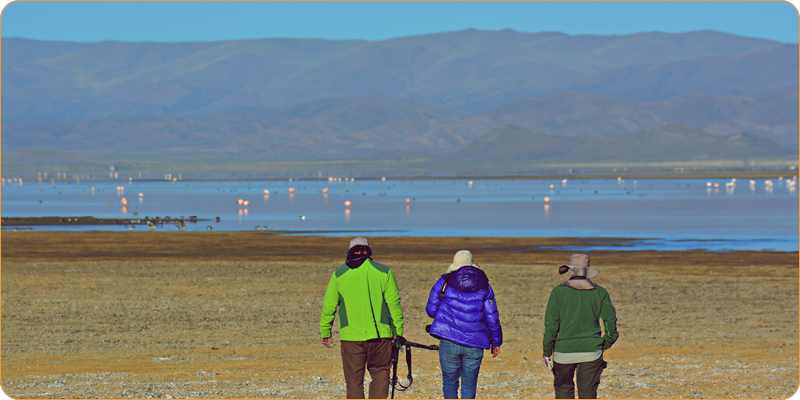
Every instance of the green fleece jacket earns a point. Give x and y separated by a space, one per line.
368 301
571 322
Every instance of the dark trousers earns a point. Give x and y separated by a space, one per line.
376 356
587 376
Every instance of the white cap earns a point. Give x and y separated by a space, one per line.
360 241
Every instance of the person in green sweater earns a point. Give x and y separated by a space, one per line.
370 318
573 343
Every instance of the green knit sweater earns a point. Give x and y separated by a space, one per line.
571 322
368 302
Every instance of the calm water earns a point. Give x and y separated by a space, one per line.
665 214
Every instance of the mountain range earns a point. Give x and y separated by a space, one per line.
430 94
656 144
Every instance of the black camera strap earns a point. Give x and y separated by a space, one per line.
395 356
444 286
396 346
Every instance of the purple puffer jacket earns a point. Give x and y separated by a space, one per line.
468 313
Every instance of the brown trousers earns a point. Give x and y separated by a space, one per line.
376 356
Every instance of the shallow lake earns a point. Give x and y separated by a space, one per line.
664 214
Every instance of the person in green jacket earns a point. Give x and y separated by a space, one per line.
370 318
573 343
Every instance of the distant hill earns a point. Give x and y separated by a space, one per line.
470 70
402 98
47 156
575 113
341 127
663 143
397 155
725 74
772 115
325 128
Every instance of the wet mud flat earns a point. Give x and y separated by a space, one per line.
236 315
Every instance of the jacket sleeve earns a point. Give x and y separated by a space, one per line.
433 299
329 304
392 297
552 320
493 318
609 316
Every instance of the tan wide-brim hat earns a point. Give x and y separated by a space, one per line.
461 259
579 265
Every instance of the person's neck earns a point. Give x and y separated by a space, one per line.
355 260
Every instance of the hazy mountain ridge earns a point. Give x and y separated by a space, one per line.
470 70
316 129
772 115
727 74
505 144
666 142
403 98
48 156
374 124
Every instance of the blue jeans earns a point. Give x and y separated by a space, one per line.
459 361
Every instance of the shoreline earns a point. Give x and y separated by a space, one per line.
153 238
280 246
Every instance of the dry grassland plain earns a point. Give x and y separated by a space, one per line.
236 315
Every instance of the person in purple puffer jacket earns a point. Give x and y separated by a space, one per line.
466 321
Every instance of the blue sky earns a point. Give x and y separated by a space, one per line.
205 21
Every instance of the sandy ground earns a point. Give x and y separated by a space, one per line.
236 315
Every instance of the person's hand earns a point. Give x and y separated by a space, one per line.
399 340
327 341
495 351
548 361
